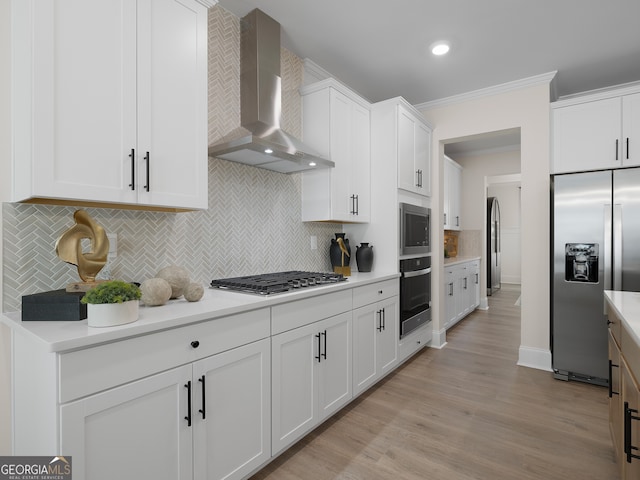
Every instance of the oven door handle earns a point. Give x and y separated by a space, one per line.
416 273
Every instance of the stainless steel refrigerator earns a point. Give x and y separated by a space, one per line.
596 247
494 259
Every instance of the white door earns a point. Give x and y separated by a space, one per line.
172 103
387 338
360 171
631 129
84 111
135 431
341 155
407 176
294 355
334 367
232 412
587 136
367 323
423 159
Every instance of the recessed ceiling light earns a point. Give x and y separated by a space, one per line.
440 48
312 164
268 150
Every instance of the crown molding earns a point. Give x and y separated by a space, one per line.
542 79
208 3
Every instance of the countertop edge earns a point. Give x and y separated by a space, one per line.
614 300
61 336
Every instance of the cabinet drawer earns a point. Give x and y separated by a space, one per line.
91 370
614 324
303 312
414 342
372 293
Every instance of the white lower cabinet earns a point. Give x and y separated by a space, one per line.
461 290
208 420
311 374
131 432
375 334
231 433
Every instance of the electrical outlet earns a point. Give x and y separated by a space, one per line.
113 244
314 242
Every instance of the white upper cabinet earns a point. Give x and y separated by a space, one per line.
337 124
111 102
596 132
452 194
414 152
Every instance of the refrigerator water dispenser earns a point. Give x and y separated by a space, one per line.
581 262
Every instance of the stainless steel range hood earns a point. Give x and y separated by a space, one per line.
260 141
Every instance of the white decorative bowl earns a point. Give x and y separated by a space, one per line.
112 314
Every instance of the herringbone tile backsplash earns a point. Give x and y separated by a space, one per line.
252 225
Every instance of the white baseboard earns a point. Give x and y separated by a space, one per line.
439 339
538 358
484 303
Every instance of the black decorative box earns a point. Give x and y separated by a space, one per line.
56 305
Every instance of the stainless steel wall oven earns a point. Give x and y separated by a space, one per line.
415 294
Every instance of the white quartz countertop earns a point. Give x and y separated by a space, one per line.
627 307
57 336
457 260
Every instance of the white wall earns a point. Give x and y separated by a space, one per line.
5 175
527 109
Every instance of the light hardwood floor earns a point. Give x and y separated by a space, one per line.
466 411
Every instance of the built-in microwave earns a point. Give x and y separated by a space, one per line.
415 230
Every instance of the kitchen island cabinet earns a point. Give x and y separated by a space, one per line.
337 124
623 312
111 112
596 132
375 333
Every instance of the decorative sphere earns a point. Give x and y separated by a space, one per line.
178 278
194 292
155 291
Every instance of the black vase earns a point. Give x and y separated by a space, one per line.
364 257
335 254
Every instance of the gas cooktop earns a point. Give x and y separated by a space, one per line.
270 283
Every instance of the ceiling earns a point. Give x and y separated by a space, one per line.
380 49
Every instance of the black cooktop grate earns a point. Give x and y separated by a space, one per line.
270 283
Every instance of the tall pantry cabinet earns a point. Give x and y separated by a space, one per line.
111 101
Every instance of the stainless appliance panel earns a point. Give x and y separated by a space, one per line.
581 212
415 293
626 225
415 230
494 254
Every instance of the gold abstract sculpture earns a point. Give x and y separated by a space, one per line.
344 270
69 249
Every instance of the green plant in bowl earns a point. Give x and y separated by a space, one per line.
112 291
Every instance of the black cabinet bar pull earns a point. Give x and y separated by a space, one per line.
132 156
451 289
616 150
147 187
379 327
188 417
203 411
627 148
384 319
628 416
324 355
357 205
353 204
611 392
445 218
318 357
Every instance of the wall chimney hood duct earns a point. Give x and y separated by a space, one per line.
260 141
